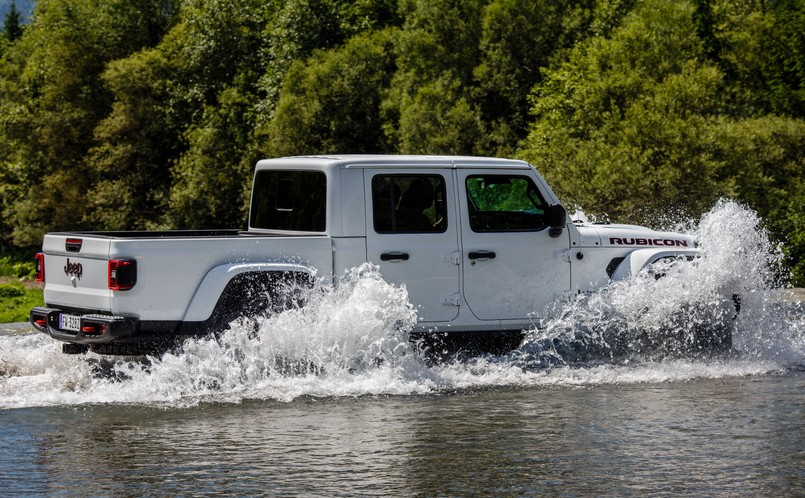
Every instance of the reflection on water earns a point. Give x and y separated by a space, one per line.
707 438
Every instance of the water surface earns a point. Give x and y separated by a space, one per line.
727 437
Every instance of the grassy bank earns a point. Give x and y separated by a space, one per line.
17 299
18 290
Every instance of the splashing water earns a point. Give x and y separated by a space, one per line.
352 339
679 308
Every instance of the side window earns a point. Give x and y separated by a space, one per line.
504 203
289 200
409 203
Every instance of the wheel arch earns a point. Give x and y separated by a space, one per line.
227 282
637 260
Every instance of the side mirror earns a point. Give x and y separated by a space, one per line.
556 216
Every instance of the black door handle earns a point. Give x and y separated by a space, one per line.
481 255
394 256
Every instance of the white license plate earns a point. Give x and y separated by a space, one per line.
69 322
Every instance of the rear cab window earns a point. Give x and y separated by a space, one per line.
409 203
291 200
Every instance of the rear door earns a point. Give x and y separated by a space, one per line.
412 235
512 267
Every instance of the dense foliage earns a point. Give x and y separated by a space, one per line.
143 114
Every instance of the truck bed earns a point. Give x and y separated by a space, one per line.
171 268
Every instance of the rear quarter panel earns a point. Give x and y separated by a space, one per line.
170 271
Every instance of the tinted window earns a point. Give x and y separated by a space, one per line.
504 203
408 203
289 200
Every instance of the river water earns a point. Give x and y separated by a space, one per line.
332 400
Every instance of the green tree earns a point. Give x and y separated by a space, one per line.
299 27
465 71
437 117
518 39
211 180
666 111
762 165
783 66
331 101
618 122
428 107
761 48
167 144
12 24
55 99
135 143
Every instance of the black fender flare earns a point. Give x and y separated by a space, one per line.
254 293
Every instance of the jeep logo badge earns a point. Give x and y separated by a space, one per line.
73 269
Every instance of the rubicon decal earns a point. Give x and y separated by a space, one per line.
623 241
73 269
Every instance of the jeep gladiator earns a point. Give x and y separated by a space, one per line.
482 245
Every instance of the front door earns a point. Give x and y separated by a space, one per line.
512 267
412 235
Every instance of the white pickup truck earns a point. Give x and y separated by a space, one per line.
482 245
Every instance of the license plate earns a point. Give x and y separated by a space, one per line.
69 322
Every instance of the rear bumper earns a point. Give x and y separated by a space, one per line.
93 328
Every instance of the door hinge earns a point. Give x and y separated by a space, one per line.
453 257
451 299
563 255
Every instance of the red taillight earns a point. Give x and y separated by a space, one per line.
93 328
40 267
122 274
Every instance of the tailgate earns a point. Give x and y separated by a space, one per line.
76 271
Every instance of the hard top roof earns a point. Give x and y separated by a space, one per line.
390 161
